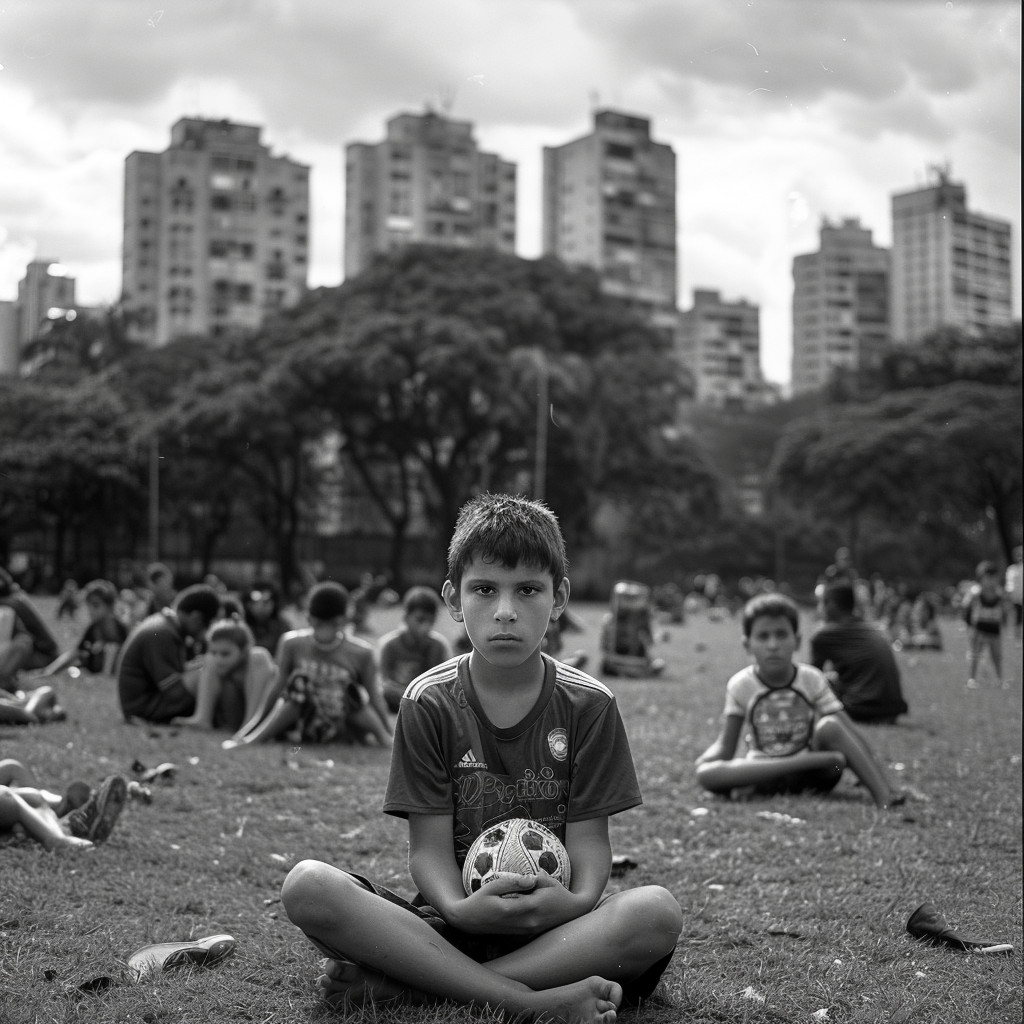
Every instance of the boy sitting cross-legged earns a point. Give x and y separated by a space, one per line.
798 735
327 682
503 732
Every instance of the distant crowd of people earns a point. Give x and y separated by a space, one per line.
516 703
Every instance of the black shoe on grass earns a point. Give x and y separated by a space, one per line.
96 818
929 924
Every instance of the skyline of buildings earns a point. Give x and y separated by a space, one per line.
46 292
216 232
950 265
425 182
840 304
216 235
609 202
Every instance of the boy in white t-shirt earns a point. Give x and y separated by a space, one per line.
798 735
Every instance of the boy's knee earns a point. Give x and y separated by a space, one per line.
303 890
827 729
650 918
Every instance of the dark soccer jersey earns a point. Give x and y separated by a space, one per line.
567 760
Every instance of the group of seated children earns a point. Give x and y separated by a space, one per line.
324 683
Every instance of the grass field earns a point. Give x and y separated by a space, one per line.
784 920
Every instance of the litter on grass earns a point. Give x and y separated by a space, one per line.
780 818
749 993
699 812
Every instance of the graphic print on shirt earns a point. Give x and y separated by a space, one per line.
782 722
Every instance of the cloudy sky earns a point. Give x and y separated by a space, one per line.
780 111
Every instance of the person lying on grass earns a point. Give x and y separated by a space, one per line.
330 681
90 813
237 680
503 732
798 735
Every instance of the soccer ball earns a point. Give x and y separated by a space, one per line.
519 846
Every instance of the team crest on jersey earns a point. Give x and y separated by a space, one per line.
468 760
558 743
782 721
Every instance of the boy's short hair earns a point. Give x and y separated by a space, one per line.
328 600
421 599
157 569
774 606
199 598
101 590
510 530
233 630
841 596
985 568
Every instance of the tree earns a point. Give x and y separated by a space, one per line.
950 453
429 360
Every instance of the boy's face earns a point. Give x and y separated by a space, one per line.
772 643
989 583
326 631
506 610
98 609
419 623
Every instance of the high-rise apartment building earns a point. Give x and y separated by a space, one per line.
426 182
216 232
610 204
950 266
720 343
840 304
10 347
45 289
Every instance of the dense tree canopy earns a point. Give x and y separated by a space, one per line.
940 443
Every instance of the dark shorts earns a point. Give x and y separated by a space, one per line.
162 705
324 706
483 948
811 780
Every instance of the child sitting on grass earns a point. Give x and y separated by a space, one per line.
90 814
413 648
237 679
102 640
504 732
798 735
329 679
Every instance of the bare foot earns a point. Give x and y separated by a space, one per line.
192 722
345 984
594 1000
71 843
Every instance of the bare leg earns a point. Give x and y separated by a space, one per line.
367 719
14 773
13 712
995 649
723 776
975 654
332 906
835 733
261 688
39 822
208 690
283 716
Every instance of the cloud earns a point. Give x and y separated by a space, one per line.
840 103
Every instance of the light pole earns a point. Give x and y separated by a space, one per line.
540 455
154 500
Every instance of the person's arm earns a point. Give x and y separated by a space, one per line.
368 673
540 903
724 747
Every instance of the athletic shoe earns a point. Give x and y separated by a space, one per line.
929 924
165 956
77 794
96 818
